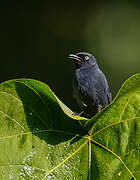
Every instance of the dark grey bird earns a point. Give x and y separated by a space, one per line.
90 87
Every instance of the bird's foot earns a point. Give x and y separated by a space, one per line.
77 114
81 113
100 107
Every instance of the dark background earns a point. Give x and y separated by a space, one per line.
36 38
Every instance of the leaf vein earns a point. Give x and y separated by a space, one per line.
38 131
60 164
24 104
12 119
112 124
117 156
125 107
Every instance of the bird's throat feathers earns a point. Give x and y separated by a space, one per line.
85 66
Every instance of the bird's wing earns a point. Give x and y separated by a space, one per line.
100 84
109 96
92 88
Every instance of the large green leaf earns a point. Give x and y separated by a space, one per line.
40 138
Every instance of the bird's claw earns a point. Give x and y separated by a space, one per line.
77 114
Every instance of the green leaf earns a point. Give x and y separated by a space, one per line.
40 138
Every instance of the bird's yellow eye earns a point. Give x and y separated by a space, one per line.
86 58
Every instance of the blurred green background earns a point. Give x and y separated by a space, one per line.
36 38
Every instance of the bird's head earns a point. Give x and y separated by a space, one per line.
83 59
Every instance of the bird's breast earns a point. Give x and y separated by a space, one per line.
84 82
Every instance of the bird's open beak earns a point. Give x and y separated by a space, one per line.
75 57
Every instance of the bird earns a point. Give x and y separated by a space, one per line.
90 86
